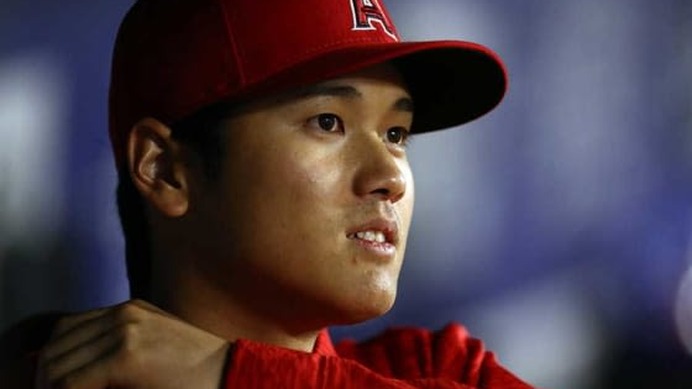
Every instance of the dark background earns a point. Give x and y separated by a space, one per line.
557 228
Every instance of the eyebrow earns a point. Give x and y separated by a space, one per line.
316 90
404 104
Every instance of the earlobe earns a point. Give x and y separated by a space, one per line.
156 167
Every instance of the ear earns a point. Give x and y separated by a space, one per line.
156 167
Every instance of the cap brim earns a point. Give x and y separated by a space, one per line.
452 85
451 82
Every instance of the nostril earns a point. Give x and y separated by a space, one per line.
381 191
388 194
388 188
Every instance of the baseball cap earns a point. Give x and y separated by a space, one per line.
174 57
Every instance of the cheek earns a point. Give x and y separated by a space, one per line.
312 177
286 176
276 218
285 198
311 188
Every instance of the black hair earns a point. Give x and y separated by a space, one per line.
203 133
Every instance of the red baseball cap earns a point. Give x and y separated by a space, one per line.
174 57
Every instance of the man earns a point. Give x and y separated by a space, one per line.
265 195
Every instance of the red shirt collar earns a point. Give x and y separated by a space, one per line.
323 344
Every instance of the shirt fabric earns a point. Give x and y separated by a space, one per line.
397 359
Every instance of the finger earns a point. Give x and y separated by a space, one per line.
79 329
98 373
84 332
69 322
80 357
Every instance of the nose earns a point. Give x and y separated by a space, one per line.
381 173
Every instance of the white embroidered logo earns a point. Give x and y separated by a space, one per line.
367 13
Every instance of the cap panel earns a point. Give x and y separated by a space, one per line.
275 34
193 67
158 70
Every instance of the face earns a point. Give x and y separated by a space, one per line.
309 218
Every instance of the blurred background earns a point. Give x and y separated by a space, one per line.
558 228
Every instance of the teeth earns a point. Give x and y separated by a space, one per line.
373 236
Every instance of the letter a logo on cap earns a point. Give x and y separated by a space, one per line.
368 12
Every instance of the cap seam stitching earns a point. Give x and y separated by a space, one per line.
231 41
293 60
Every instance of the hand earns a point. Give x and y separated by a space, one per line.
132 345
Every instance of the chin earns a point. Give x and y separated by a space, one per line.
367 309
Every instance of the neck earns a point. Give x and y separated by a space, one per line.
219 311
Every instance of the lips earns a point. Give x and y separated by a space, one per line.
371 236
379 231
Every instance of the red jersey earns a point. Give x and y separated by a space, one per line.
398 358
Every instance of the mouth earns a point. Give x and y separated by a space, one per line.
370 236
379 236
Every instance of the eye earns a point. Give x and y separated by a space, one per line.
398 136
327 122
